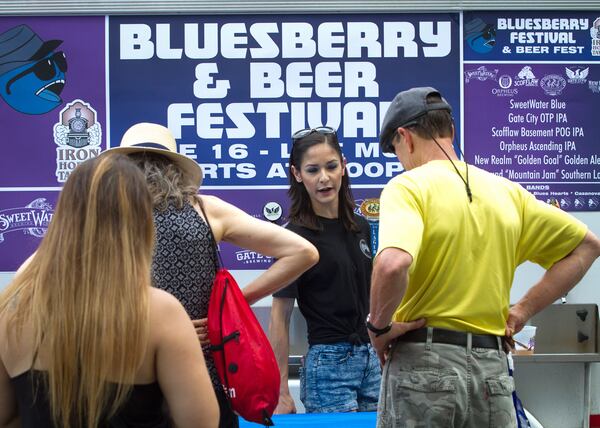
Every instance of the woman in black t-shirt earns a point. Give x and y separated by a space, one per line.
341 372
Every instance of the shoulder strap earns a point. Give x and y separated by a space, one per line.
217 252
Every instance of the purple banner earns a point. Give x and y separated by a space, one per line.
52 97
535 126
52 117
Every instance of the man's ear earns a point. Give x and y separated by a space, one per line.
296 174
406 137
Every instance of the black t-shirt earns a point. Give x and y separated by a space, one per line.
333 295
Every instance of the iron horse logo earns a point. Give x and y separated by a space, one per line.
78 135
481 73
32 219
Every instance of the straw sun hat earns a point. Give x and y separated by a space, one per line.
153 138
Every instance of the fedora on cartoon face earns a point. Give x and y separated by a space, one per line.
32 74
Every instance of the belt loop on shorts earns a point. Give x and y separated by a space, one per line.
469 343
429 338
500 348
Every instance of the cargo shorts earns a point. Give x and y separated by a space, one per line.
441 385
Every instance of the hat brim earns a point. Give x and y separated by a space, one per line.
189 166
45 49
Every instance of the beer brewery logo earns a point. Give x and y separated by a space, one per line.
595 35
526 77
577 75
78 135
369 208
565 203
33 219
594 86
505 90
272 211
553 84
249 257
481 73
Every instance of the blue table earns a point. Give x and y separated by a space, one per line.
320 420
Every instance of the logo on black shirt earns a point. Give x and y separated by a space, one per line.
364 247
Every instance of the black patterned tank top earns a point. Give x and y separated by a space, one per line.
184 262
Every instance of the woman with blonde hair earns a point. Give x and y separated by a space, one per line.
85 341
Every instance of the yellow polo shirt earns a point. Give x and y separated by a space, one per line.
465 254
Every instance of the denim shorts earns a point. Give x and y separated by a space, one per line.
340 377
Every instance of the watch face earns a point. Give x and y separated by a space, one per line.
78 125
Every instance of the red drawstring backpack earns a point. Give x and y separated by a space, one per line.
242 353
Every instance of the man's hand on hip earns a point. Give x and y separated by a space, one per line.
383 343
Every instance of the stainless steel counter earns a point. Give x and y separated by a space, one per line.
567 358
557 358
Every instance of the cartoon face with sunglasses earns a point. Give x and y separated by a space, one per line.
32 74
480 36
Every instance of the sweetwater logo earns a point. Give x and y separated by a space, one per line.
78 136
577 75
248 257
481 74
553 84
526 77
32 219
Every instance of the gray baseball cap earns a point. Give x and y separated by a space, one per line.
406 108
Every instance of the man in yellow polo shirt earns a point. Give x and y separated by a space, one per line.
450 238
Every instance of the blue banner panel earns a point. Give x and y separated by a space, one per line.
531 36
233 89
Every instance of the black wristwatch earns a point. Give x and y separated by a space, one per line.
378 331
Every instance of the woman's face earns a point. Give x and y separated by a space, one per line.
321 174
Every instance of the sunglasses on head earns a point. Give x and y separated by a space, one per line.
323 130
43 69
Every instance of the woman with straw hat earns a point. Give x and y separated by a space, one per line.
183 261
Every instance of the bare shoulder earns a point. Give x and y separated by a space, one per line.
163 304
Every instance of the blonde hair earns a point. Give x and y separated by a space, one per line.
166 181
85 291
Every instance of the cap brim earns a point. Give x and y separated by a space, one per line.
189 166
